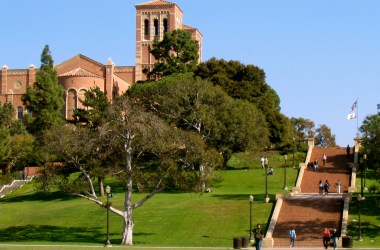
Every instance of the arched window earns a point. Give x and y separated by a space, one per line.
146 29
166 28
156 27
20 113
81 98
71 103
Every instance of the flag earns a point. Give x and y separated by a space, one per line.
352 114
353 107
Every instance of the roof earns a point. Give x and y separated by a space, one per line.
80 72
189 28
155 3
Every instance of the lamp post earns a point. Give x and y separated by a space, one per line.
360 198
108 191
285 187
294 139
365 171
361 178
250 216
266 182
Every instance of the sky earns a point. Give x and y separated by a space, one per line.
319 56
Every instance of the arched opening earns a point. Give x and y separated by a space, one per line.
166 25
155 27
71 103
146 29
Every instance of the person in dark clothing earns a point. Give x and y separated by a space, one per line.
348 151
259 235
335 238
326 187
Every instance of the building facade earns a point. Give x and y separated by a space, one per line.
79 73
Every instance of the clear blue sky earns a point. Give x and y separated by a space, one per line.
320 56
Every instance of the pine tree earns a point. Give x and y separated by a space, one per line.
44 101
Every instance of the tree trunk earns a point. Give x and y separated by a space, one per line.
202 174
128 209
101 186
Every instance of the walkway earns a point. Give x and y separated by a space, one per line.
308 211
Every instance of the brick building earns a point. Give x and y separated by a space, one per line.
80 73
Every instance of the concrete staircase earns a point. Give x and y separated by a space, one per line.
308 214
308 211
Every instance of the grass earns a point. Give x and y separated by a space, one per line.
168 219
369 215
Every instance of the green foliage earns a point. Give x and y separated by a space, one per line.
371 142
325 132
5 142
45 99
373 188
96 106
247 82
176 53
7 112
227 124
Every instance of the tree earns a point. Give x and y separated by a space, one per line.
7 114
45 99
323 131
247 82
224 123
176 53
96 105
371 142
154 156
303 128
5 149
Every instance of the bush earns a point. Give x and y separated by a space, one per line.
8 178
374 188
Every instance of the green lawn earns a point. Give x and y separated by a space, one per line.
168 219
369 216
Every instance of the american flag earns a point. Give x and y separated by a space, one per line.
352 113
353 107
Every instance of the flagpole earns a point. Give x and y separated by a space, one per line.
357 117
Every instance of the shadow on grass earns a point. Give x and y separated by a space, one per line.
32 233
39 196
257 197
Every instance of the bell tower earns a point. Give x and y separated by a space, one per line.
153 19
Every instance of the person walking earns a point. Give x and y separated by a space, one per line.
315 165
262 162
335 238
326 237
348 151
338 187
320 186
324 158
326 187
266 163
258 234
292 236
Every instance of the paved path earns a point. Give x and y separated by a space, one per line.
309 212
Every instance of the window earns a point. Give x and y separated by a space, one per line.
166 25
20 113
146 29
156 27
71 103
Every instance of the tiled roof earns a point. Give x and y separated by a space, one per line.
186 27
80 72
156 3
